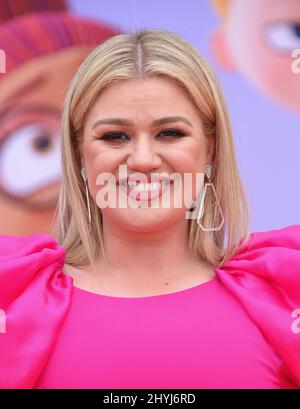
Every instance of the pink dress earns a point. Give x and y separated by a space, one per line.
239 330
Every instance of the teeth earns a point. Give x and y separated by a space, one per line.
144 187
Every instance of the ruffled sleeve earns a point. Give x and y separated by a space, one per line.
34 298
265 276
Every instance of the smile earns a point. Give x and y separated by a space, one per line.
145 191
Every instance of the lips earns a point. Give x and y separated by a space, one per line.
153 188
132 179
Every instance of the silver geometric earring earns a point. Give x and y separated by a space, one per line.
84 177
208 172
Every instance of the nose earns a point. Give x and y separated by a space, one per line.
144 156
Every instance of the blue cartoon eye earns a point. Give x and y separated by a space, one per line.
29 159
283 36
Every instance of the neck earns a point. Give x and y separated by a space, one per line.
148 256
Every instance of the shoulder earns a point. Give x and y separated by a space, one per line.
283 240
14 245
272 254
25 259
265 276
34 298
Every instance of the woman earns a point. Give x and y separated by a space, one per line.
144 295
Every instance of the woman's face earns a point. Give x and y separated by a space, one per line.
145 145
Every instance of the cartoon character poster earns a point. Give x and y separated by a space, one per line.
261 40
43 43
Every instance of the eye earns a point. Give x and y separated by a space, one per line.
172 133
114 137
119 137
283 36
29 159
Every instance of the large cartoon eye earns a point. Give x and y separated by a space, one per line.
283 36
29 159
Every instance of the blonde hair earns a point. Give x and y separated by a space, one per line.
144 54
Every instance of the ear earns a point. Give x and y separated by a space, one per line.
220 49
80 153
210 148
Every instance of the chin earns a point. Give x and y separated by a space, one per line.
142 220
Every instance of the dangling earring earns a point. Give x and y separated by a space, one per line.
208 171
84 177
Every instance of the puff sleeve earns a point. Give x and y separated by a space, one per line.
265 277
34 298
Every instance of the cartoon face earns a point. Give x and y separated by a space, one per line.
31 101
258 38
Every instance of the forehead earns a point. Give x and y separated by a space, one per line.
154 94
258 10
42 78
153 85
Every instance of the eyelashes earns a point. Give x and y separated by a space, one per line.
119 137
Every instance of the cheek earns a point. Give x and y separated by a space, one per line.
189 162
243 33
280 75
272 73
189 158
98 162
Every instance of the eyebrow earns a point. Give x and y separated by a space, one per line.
128 122
9 102
12 112
28 88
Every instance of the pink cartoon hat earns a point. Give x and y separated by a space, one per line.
30 29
